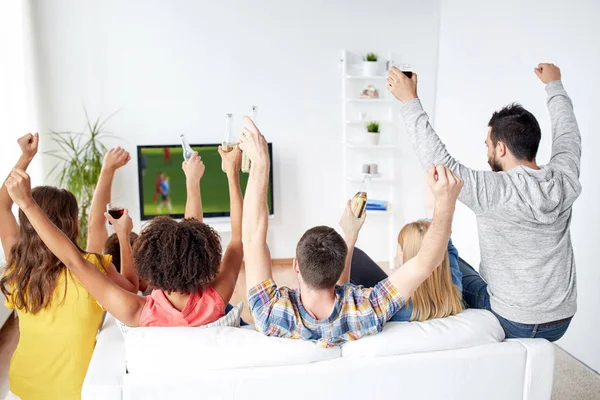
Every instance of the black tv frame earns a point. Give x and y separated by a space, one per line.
145 217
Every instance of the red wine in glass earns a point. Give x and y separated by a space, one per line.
115 210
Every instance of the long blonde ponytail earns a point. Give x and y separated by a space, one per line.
437 297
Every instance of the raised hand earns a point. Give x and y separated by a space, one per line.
232 160
253 143
547 72
18 185
29 144
193 168
123 226
400 86
350 224
445 185
115 158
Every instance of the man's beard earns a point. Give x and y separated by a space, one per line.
495 165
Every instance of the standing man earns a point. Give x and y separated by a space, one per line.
523 210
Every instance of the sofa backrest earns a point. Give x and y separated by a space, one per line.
468 329
156 350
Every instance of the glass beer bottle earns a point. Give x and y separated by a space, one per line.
187 149
359 201
245 159
227 145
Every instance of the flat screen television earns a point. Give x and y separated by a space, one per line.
159 168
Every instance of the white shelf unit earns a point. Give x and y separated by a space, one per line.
356 146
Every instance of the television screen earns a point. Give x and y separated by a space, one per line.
162 181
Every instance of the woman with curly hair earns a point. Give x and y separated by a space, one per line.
182 260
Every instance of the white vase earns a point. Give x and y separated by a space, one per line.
370 68
374 137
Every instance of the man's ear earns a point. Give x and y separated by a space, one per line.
296 267
501 149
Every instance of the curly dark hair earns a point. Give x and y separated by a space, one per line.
176 256
113 248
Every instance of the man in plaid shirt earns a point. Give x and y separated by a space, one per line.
326 308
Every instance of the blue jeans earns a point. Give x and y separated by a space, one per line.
476 295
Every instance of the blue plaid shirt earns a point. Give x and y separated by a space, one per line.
357 312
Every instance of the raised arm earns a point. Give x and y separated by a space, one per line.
350 227
256 211
194 170
225 282
125 306
123 227
9 229
483 190
566 139
446 187
97 233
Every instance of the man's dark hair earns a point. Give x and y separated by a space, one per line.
176 256
321 255
113 248
518 129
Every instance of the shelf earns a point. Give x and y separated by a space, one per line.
372 101
371 213
364 122
385 179
366 78
372 146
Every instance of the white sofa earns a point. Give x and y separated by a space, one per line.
461 357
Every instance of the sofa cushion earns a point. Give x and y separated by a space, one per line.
155 351
467 329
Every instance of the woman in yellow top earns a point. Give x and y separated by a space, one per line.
58 318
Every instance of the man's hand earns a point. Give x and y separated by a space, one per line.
193 168
350 224
253 143
400 86
18 185
232 160
445 185
123 226
115 158
547 72
29 144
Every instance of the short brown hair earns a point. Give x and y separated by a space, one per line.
321 255
176 256
113 248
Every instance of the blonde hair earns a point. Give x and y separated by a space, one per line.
437 297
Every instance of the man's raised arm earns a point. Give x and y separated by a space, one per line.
482 189
256 211
566 139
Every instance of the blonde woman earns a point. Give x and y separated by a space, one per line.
439 296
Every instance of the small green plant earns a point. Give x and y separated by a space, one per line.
80 156
373 127
371 57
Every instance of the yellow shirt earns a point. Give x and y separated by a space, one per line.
56 344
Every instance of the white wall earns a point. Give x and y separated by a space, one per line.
487 55
14 110
179 66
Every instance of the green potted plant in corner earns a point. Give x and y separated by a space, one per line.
370 65
80 156
374 134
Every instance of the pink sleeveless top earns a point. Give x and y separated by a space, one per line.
201 308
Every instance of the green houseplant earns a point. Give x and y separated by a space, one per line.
374 134
371 57
370 65
80 156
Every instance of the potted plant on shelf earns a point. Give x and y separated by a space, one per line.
80 157
370 65
374 134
